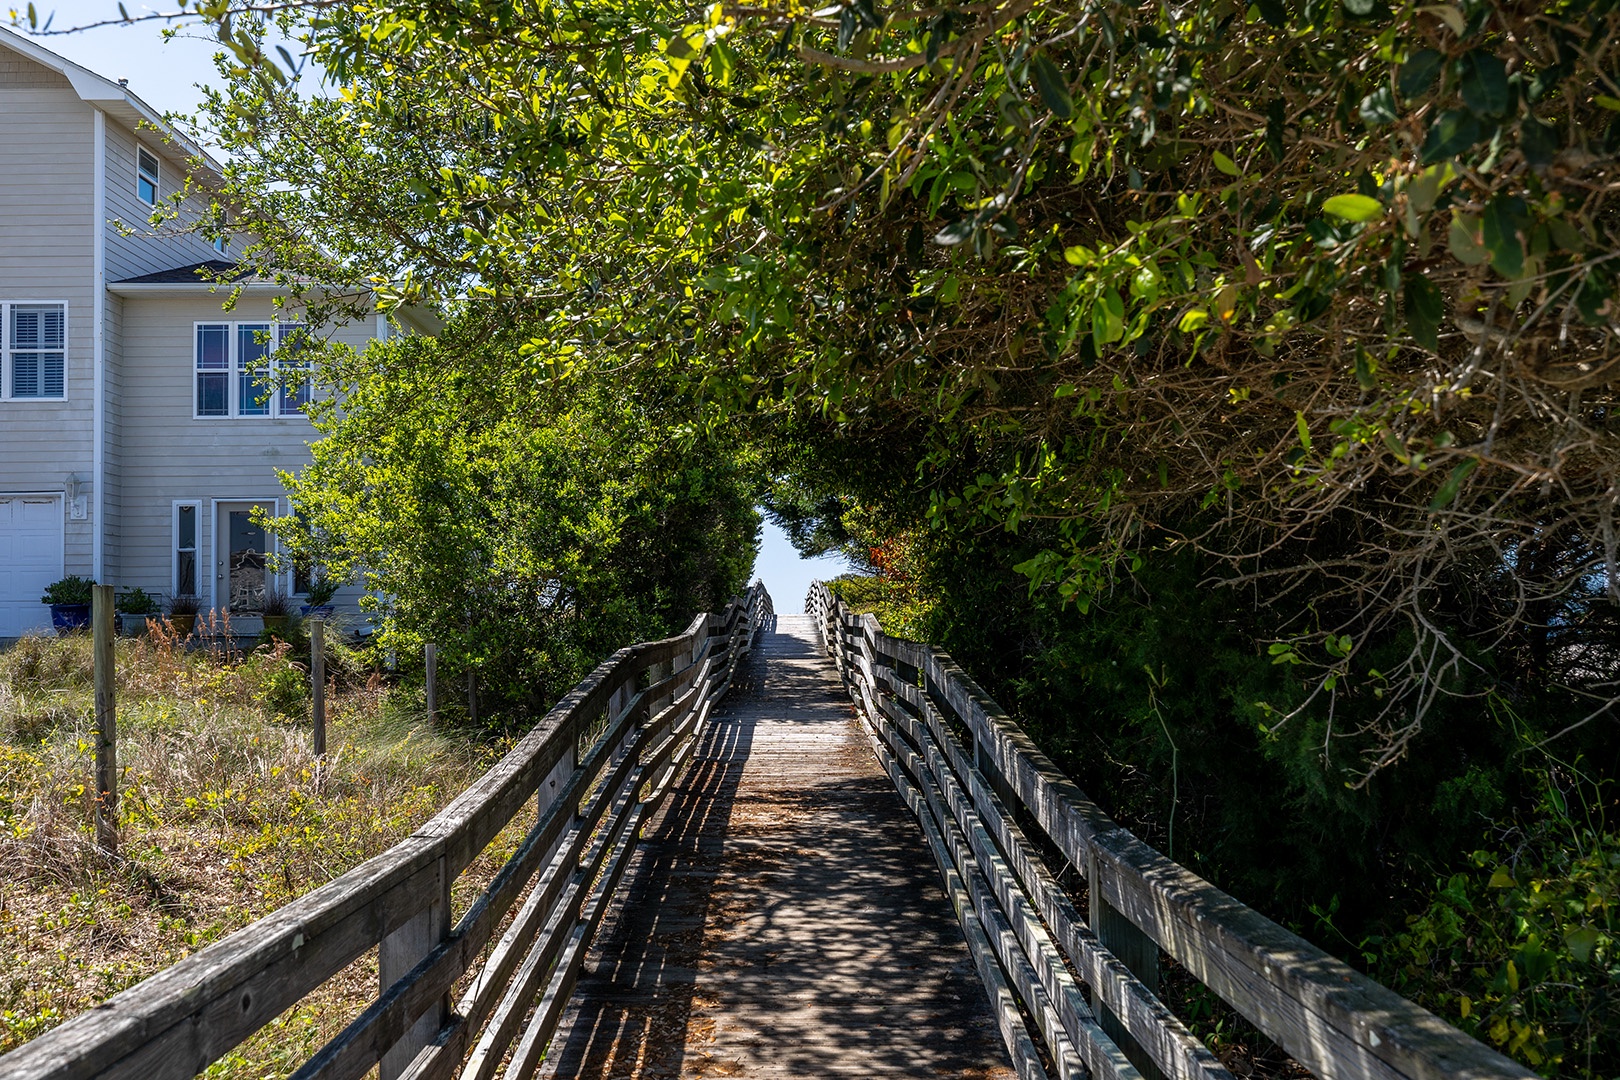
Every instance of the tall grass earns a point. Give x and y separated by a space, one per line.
224 815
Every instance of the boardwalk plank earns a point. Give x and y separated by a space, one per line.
780 919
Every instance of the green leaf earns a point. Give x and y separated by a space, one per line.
1452 132
868 13
1448 492
1485 87
1276 128
1079 255
1359 7
1460 240
1500 226
1581 942
1053 86
954 233
1595 299
1226 164
1193 320
1273 11
1304 430
1378 108
679 48
1366 376
1354 207
1426 187
1539 141
1425 307
1502 879
1107 319
1419 73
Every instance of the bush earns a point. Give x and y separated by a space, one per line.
1520 950
138 601
283 684
70 590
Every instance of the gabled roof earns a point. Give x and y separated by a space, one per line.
113 98
198 277
192 274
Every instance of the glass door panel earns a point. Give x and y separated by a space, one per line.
246 565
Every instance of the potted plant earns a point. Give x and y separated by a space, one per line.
318 601
70 603
276 611
134 608
183 614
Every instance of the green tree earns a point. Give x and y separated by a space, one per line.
1321 289
528 530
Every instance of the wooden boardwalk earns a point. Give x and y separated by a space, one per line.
782 917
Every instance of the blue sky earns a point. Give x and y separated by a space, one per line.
787 574
165 75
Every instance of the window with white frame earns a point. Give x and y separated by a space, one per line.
251 370
146 176
292 362
186 517
33 351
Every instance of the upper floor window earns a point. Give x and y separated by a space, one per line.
221 244
239 370
146 176
33 351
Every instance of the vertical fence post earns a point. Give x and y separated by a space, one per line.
398 953
1135 950
317 675
430 653
101 622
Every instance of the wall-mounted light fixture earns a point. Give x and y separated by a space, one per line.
78 508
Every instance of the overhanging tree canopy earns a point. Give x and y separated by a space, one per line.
1323 289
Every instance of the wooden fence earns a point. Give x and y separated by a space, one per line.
593 769
1073 994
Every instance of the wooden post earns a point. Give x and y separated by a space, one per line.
431 655
101 621
1136 951
317 675
398 953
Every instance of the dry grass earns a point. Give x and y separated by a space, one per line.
225 815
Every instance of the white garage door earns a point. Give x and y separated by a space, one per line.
30 559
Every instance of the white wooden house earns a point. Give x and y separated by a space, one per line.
136 437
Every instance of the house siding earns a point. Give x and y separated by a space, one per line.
145 250
170 456
112 336
47 252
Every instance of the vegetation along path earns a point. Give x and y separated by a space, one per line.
778 921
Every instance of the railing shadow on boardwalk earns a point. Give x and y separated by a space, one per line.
818 952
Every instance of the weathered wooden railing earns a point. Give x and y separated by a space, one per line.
644 706
1070 993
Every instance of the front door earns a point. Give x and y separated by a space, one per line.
243 570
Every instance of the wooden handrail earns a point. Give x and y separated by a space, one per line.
591 801
971 775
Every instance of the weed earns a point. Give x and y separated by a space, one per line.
224 815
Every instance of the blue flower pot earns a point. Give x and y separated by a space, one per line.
69 617
323 610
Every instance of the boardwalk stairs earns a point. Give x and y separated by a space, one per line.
718 880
